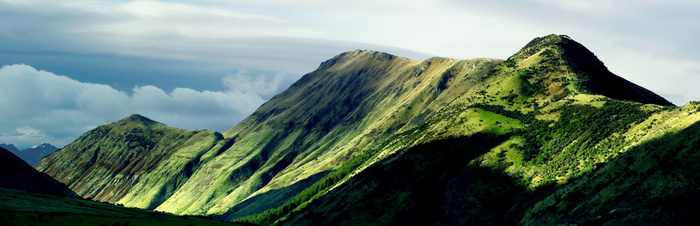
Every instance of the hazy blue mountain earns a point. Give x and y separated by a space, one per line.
9 147
31 155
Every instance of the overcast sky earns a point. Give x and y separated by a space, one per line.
71 65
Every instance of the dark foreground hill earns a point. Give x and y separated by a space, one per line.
547 136
18 175
33 198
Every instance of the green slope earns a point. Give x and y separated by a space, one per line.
23 208
451 134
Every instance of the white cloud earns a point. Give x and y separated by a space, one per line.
261 85
39 106
30 133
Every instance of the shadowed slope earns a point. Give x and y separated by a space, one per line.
16 174
438 183
428 184
654 183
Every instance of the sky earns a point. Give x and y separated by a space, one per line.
69 66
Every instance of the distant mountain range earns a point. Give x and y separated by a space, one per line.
33 154
548 136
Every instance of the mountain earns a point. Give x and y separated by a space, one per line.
9 147
135 160
586 69
33 154
547 136
20 176
292 137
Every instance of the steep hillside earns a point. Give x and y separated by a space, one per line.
354 101
17 175
450 136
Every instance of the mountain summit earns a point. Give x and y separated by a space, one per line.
590 74
548 136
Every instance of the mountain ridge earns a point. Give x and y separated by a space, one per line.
364 110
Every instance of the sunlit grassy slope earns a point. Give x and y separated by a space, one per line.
23 208
371 137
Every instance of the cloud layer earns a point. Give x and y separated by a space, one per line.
155 57
45 107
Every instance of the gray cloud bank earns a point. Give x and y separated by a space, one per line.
170 30
46 107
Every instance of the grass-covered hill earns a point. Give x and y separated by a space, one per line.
547 136
134 160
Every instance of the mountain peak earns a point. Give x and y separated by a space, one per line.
42 146
356 55
539 43
377 55
583 66
139 118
